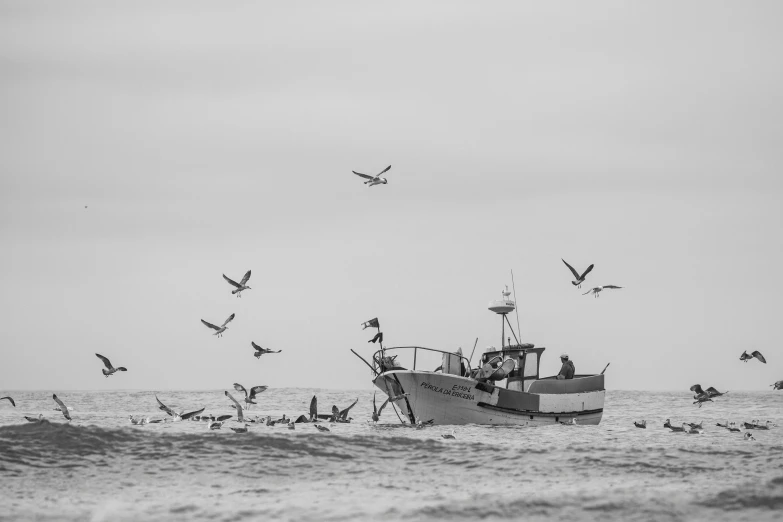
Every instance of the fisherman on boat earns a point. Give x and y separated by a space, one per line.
567 370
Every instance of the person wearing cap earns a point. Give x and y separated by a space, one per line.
567 370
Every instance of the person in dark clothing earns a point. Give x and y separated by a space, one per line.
567 370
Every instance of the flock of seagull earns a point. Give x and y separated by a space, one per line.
702 396
337 415
341 415
580 278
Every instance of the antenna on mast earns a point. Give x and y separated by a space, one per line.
513 287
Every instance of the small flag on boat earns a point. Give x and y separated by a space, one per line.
378 337
372 323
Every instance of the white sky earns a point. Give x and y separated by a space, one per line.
210 138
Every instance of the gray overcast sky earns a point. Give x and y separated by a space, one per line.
213 137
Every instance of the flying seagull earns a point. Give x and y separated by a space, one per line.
177 416
373 180
578 279
9 400
240 417
398 397
701 395
239 286
715 393
109 368
261 351
313 409
63 407
249 396
757 354
777 386
595 291
219 329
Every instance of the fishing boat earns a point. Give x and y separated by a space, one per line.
505 388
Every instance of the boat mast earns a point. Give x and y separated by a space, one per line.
514 288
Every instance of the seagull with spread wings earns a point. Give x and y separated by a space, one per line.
110 370
342 415
239 286
218 423
177 416
376 412
249 396
777 386
715 393
598 289
9 400
63 407
578 279
373 180
219 329
261 351
757 354
240 416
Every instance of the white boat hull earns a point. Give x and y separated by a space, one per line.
451 399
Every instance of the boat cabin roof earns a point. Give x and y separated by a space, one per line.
513 350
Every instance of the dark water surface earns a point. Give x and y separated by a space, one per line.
100 467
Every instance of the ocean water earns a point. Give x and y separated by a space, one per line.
100 467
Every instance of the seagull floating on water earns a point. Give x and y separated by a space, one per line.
240 430
374 180
9 400
110 370
240 286
39 418
376 412
252 394
668 424
341 415
449 436
598 289
642 424
578 279
219 329
745 357
261 351
321 428
63 407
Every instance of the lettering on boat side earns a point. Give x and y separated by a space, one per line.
455 391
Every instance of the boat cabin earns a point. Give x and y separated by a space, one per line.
527 358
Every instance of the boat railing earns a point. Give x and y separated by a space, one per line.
377 357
